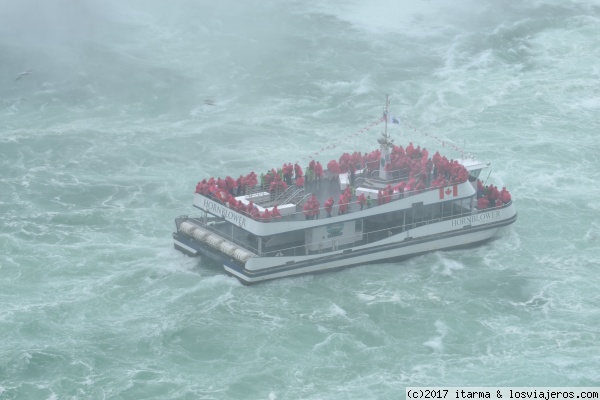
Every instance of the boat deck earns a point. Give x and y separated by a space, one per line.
294 243
329 186
322 190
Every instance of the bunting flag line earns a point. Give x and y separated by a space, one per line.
442 142
391 119
339 142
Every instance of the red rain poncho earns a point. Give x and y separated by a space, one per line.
318 170
254 213
361 199
333 167
482 203
288 170
251 179
506 196
266 216
298 170
329 205
275 212
311 207
343 205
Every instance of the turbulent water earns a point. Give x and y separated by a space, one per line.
102 144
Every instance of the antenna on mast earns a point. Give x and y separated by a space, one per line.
385 139
385 112
386 144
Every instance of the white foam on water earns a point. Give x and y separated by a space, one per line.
448 265
437 343
97 161
336 310
382 296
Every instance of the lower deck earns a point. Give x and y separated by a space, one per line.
442 235
340 235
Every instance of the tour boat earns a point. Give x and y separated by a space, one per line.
388 204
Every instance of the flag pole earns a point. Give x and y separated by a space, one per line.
385 114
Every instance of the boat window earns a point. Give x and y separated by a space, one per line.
474 174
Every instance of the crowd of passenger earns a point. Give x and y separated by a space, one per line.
490 196
411 167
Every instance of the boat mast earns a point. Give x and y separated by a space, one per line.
385 143
385 113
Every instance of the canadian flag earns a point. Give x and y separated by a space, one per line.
449 192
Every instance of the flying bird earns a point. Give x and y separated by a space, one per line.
22 74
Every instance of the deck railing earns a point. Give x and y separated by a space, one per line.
299 215
367 237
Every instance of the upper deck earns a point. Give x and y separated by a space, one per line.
294 217
359 185
369 204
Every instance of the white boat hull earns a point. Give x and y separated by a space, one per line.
434 236
321 264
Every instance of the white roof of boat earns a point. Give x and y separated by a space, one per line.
470 163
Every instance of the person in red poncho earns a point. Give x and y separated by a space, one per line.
334 169
231 185
199 187
288 172
275 212
266 216
492 194
240 207
307 210
410 186
387 197
463 175
505 196
273 190
329 206
311 208
440 181
483 203
410 150
315 206
298 171
250 180
479 189
254 213
240 185
362 200
318 171
222 196
232 202
212 190
343 206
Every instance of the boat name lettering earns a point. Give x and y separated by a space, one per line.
487 216
224 212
